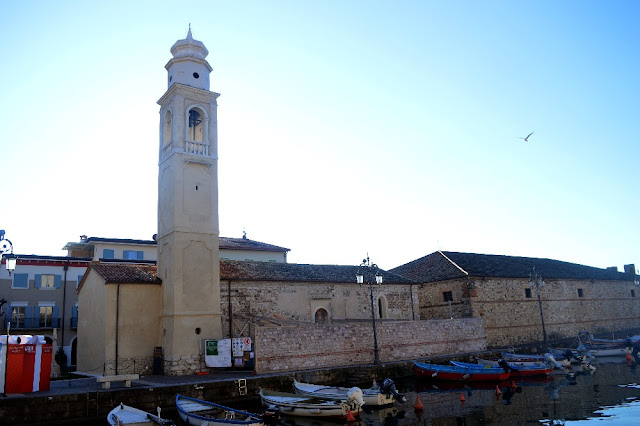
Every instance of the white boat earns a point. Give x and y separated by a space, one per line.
374 396
194 411
293 404
130 416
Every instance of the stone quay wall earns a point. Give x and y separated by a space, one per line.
311 346
511 314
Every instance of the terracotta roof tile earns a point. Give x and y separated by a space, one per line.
115 273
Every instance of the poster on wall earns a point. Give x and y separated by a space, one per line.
217 353
241 345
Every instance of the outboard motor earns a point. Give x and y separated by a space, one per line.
389 387
550 360
355 398
271 415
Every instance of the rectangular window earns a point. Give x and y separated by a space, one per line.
46 316
20 281
18 315
633 293
580 293
47 281
448 296
108 254
133 255
527 293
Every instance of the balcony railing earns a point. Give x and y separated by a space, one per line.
31 323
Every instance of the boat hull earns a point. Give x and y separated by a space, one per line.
292 404
129 416
371 397
518 371
453 373
194 411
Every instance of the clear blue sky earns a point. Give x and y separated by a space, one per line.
344 127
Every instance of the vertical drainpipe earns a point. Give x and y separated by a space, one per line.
117 322
413 315
230 323
64 302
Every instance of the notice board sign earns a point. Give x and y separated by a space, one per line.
217 353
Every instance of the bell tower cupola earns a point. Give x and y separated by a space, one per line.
188 65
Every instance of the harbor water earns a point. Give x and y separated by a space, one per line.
611 393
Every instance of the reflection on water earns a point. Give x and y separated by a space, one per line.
611 393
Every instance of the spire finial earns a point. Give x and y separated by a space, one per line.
189 36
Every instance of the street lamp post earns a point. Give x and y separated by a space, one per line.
6 251
537 281
360 276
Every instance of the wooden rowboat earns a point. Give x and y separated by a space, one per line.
515 371
452 372
308 406
371 396
125 415
194 411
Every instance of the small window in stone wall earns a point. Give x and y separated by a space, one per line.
527 293
448 296
580 293
322 316
633 293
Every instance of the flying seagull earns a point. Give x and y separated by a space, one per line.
526 139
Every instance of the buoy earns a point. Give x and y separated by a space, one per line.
462 397
350 417
498 391
629 357
513 384
418 405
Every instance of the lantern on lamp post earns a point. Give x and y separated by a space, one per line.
365 266
6 252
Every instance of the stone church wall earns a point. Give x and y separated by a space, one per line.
512 318
297 302
313 346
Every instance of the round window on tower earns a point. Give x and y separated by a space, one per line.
196 75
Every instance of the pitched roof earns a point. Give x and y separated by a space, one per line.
115 273
118 273
225 243
247 244
445 265
294 272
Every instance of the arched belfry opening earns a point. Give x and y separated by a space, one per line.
196 126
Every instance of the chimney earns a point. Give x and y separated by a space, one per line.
612 268
630 269
83 237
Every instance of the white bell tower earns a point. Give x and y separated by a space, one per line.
188 232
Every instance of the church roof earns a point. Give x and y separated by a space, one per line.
446 265
247 244
115 273
295 272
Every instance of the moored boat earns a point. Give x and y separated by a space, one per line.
374 396
452 372
130 416
309 406
194 411
515 371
